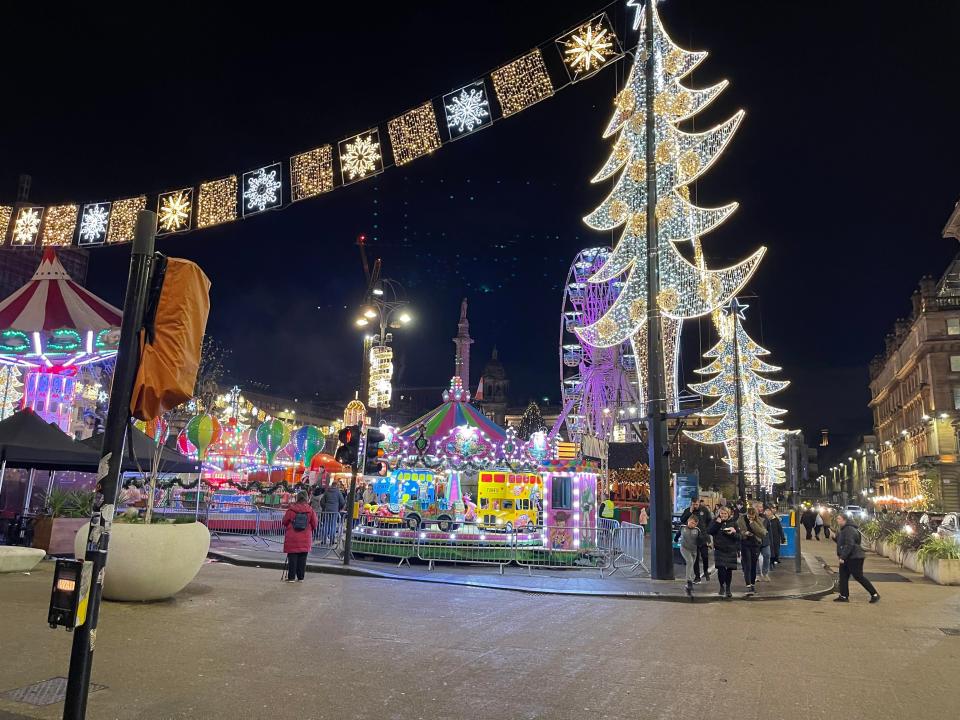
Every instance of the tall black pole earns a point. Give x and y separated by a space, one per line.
358 467
741 482
108 474
661 543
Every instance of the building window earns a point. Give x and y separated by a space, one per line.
955 363
953 326
956 398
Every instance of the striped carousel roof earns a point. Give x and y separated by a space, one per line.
443 419
52 300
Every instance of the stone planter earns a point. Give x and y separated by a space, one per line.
943 572
151 562
55 535
908 558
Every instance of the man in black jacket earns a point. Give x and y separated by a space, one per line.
851 561
704 518
775 533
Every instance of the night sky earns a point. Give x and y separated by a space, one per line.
845 168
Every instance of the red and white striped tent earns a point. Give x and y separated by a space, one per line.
54 316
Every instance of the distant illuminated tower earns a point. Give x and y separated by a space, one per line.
463 341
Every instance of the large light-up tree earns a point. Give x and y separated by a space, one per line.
746 424
688 288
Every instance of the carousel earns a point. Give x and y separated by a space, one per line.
62 340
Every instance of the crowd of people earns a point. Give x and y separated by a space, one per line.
745 536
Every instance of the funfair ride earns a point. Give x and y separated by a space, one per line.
53 329
594 381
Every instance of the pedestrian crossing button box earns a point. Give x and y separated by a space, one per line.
71 590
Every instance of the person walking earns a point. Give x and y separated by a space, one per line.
698 509
751 533
763 562
776 535
691 540
300 522
726 541
817 525
331 504
851 561
808 520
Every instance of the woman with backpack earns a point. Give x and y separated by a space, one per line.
300 522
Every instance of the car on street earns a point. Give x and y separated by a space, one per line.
855 512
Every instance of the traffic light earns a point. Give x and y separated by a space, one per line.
349 448
374 464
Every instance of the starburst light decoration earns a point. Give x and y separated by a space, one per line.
467 109
522 83
588 48
688 288
360 156
59 225
311 173
27 226
94 221
217 202
262 189
737 354
11 390
174 211
414 134
123 218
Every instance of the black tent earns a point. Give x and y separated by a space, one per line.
139 454
26 441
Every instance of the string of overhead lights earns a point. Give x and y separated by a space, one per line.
517 85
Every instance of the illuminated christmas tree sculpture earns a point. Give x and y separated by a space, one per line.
688 288
746 422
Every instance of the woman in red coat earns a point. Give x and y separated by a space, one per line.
300 522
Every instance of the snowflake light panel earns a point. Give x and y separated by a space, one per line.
414 134
262 189
94 221
123 219
6 212
174 211
467 109
588 48
27 226
360 156
522 83
59 225
311 173
217 202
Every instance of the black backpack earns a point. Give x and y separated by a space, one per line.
300 521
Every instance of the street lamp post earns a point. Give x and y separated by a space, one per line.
385 307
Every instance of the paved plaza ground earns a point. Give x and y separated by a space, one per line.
238 643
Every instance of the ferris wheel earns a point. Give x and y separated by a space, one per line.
595 382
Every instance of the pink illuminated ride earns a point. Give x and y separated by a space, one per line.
51 329
595 382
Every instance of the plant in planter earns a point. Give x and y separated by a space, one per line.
66 511
940 558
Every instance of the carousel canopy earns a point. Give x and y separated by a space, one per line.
53 315
452 413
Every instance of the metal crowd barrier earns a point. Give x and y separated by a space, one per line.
470 544
563 547
627 549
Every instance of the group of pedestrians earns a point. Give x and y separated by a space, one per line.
749 536
813 523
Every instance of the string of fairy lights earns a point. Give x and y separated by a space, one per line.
516 86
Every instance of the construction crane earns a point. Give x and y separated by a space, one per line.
372 276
